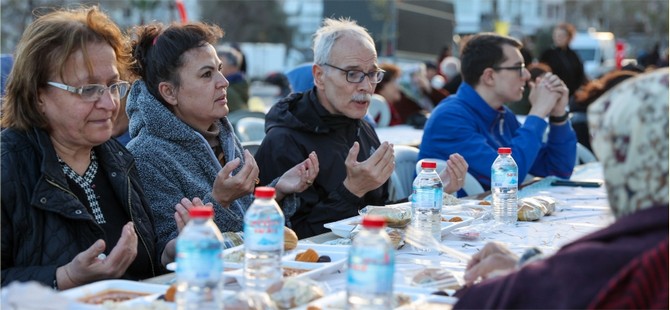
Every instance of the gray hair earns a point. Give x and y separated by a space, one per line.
333 29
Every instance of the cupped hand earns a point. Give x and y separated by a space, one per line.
298 178
493 259
370 174
453 176
228 187
87 266
182 208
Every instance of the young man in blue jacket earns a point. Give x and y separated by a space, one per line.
474 122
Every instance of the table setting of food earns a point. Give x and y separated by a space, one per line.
426 271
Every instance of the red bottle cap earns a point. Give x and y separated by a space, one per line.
374 221
428 164
265 192
201 212
504 150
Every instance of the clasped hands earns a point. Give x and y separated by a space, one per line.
548 96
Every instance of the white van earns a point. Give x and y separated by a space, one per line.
597 51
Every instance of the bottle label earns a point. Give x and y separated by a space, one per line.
202 264
370 272
427 198
504 178
264 234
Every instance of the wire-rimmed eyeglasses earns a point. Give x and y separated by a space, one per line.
520 68
357 76
93 92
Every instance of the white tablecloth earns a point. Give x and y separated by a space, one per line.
579 211
400 135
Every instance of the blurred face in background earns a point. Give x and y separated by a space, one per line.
74 122
391 91
561 37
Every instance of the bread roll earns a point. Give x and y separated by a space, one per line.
529 212
290 239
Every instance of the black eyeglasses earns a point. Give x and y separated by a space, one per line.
520 68
357 76
93 92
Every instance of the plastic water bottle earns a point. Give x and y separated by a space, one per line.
504 186
199 262
427 201
263 241
371 267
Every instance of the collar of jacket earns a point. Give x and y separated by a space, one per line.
474 102
304 111
115 160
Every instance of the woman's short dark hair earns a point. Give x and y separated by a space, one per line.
158 51
483 51
44 49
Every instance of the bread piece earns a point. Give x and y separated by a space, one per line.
171 291
529 212
290 239
309 256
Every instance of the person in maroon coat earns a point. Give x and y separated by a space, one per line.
621 266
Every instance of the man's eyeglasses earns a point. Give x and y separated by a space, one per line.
519 68
93 92
357 76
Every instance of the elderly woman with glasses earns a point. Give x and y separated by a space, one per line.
73 210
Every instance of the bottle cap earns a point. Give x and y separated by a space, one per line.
374 221
504 150
201 212
265 192
428 164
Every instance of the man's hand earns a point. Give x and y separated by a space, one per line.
453 176
493 259
227 187
363 177
298 178
544 95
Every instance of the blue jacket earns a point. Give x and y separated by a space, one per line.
464 123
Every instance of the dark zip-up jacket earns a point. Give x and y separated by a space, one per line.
44 225
298 125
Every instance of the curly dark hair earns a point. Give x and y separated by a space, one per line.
158 51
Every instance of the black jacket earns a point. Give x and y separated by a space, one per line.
44 225
566 64
298 125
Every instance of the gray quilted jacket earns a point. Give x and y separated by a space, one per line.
175 161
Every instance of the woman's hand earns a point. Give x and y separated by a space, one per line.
182 208
88 266
228 187
453 175
298 178
493 259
